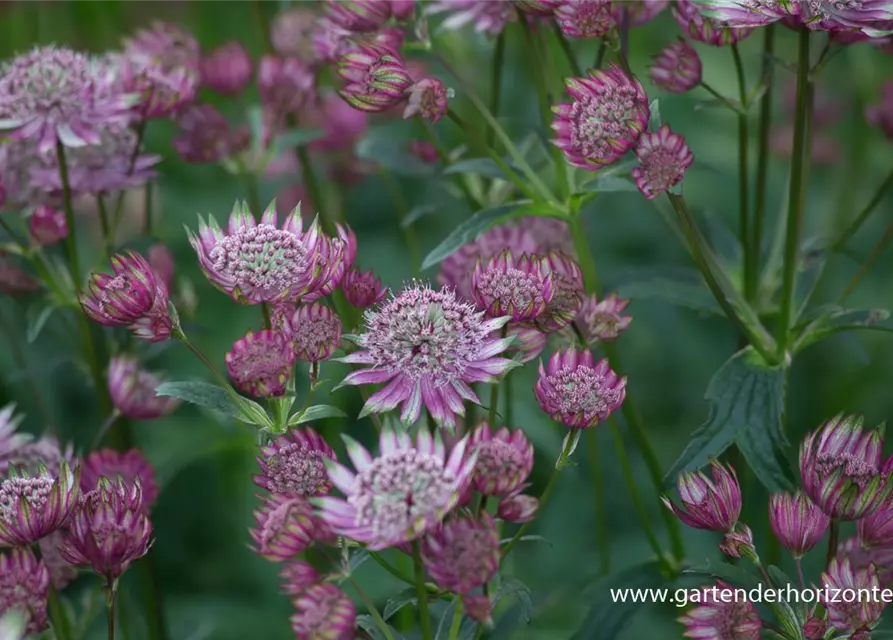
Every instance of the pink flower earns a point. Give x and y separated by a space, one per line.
663 158
567 293
721 616
714 505
32 506
428 347
358 16
517 507
285 527
298 576
463 554
362 288
376 78
399 496
707 30
292 31
324 611
342 125
313 330
227 69
863 612
797 523
285 84
132 390
24 587
584 18
204 135
424 151
504 459
517 287
637 13
871 17
47 225
295 464
130 465
603 320
677 68
876 529
261 363
608 114
428 98
486 16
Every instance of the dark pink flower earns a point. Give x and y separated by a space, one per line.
842 576
428 98
603 320
132 390
298 576
721 616
227 69
261 363
324 611
358 16
463 554
24 587
285 527
677 68
504 459
520 288
204 135
376 78
285 84
714 505
585 18
663 158
578 392
797 523
696 26
294 464
131 466
313 330
362 288
47 225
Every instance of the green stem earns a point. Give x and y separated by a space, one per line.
509 399
744 182
111 600
178 334
569 52
402 207
601 511
71 240
716 94
496 83
107 240
58 617
147 208
315 191
869 262
387 566
421 591
600 56
795 204
833 537
372 609
456 624
765 126
854 227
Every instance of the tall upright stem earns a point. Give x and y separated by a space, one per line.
601 509
496 83
765 125
111 602
743 180
795 204
421 591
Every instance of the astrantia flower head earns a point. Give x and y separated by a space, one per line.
204 135
362 288
294 464
881 114
132 390
131 466
841 468
721 616
486 16
840 577
608 114
297 576
703 29
24 587
518 287
55 95
376 78
797 523
711 504
399 496
578 392
34 505
463 554
134 297
285 84
358 16
585 18
314 330
876 529
259 262
261 363
663 158
428 347
324 612
109 530
428 98
517 507
47 225
567 293
677 68
603 320
504 459
227 69
285 527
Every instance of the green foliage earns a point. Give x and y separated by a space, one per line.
217 399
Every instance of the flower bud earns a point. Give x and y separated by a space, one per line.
677 68
518 508
132 390
428 98
708 504
377 78
797 523
362 289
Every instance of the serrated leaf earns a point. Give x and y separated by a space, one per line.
36 318
316 412
681 287
747 397
293 138
397 602
530 538
513 588
218 399
608 615
827 321
486 167
418 212
610 184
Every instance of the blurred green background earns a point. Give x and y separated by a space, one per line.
213 585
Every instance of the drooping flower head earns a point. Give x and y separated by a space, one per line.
518 287
428 98
259 262
34 505
227 69
567 292
47 225
841 468
881 114
362 288
721 616
313 330
132 390
131 466
109 530
677 68
285 527
298 576
376 77
463 554
261 363
285 84
134 297
486 17
578 392
358 16
504 459
324 612
603 320
703 29
797 523
663 158
585 18
399 496
841 576
52 95
204 135
294 464
24 587
711 504
428 347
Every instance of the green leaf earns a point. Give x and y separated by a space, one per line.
486 167
36 319
678 286
357 558
218 399
418 212
510 587
316 412
608 616
293 138
530 538
367 623
397 602
609 184
827 321
747 399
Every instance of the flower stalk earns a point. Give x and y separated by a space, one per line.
111 600
764 128
744 230
421 591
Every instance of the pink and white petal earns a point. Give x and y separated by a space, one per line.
342 477
424 442
412 405
457 456
389 398
357 453
367 376
388 442
357 357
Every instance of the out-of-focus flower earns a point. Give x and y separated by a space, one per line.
703 29
841 468
825 149
424 151
285 527
486 16
47 225
608 114
295 464
504 459
714 505
24 587
637 13
285 84
362 288
13 280
463 554
292 30
517 507
131 466
399 496
359 16
314 330
162 260
721 616
479 608
62 572
23 451
677 68
428 98
578 392
109 530
132 390
537 7
329 41
342 125
298 576
872 17
881 114
567 293
528 340
603 320
797 523
663 158
376 78
402 9
585 18
52 95
815 628
204 135
134 298
520 288
10 439
324 611
428 347
162 63
842 577
261 363
34 505
227 69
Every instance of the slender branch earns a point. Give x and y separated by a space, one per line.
373 610
869 208
600 56
716 94
107 240
568 51
496 83
111 600
456 624
869 262
421 591
765 125
601 509
744 182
